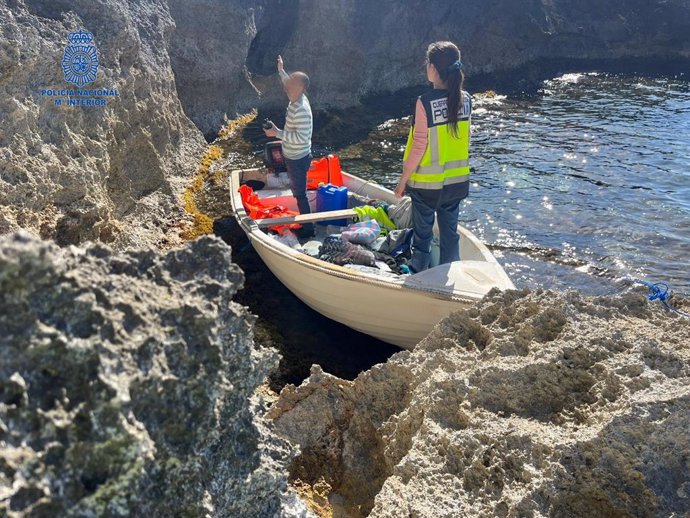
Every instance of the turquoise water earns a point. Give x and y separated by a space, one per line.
582 186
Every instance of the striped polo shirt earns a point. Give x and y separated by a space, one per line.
296 135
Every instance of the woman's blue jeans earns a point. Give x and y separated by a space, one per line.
424 208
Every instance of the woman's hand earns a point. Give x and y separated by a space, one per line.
400 189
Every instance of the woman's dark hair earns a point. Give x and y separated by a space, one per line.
445 56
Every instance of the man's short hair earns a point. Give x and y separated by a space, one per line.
304 79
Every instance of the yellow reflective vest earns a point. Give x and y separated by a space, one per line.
446 160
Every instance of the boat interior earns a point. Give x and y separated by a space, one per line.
477 271
274 189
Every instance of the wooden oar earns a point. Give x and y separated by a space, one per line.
307 218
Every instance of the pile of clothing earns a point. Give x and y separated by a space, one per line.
337 251
375 241
379 243
343 253
389 216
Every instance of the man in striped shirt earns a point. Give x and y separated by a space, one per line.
296 138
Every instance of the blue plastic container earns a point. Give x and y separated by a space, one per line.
329 197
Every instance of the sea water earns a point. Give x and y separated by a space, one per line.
584 185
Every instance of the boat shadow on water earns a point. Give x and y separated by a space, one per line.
301 335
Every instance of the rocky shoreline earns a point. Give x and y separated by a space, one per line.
131 382
530 404
130 386
112 174
116 173
366 47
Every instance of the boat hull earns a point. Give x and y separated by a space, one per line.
396 315
398 311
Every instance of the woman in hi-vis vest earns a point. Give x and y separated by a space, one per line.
436 168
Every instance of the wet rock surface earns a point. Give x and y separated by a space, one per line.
532 404
110 173
128 386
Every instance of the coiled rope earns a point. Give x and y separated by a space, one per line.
661 291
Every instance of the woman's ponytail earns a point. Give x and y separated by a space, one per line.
445 56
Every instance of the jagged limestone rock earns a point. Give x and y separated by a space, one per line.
112 173
128 386
531 404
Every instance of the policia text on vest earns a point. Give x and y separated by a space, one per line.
445 164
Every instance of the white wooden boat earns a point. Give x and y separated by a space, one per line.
400 310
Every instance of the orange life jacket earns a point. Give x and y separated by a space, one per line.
258 209
324 171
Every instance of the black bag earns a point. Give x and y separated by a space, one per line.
397 243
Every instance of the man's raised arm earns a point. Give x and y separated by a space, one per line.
284 76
